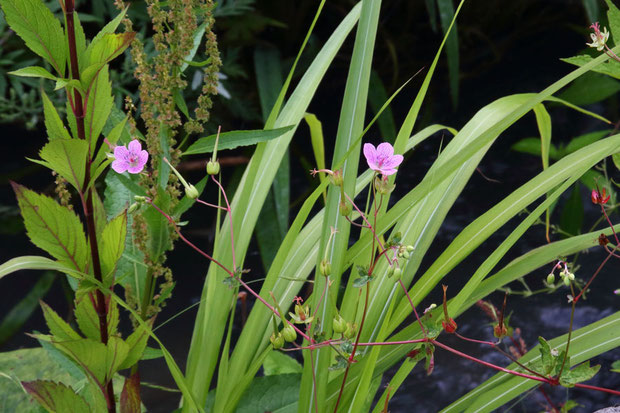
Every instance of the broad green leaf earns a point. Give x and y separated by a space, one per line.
98 107
56 397
158 225
277 362
58 327
39 29
68 158
101 52
590 88
610 68
532 146
14 319
22 366
109 28
548 361
33 71
613 17
53 228
136 343
582 372
234 139
584 140
277 393
87 316
99 360
53 124
112 244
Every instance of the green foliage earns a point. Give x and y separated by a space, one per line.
112 245
275 393
56 397
53 124
68 158
87 316
231 140
53 228
33 71
279 363
39 29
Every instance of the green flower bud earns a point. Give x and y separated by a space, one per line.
397 274
325 267
339 324
409 248
337 178
345 209
289 333
139 199
406 255
277 341
213 167
133 208
551 278
191 191
351 331
390 271
571 276
566 281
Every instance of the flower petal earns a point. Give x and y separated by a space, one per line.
385 150
134 146
392 161
121 153
119 166
135 169
387 172
371 156
143 157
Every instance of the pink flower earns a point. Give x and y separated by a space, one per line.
382 159
131 158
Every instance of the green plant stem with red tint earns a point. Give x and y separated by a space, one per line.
78 110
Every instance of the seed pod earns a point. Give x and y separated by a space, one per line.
551 278
289 333
213 167
277 341
191 191
339 324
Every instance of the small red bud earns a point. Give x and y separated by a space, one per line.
449 326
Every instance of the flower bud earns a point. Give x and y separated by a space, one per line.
409 248
406 255
289 333
133 208
351 331
277 341
213 167
345 209
339 324
325 267
337 178
566 281
390 271
191 191
140 199
571 276
551 278
383 186
397 274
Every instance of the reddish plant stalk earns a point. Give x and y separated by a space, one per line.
78 111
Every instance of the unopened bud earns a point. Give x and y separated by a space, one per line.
289 333
133 208
551 278
397 274
191 191
345 209
139 198
406 255
337 178
351 331
213 167
566 281
339 324
325 267
409 248
277 341
571 276
383 186
390 271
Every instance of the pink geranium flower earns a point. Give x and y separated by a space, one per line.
382 159
131 158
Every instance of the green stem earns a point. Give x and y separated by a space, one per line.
88 205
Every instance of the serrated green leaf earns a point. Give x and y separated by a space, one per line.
609 68
33 71
39 29
158 225
234 139
279 363
137 344
53 228
58 327
130 396
548 361
68 158
361 281
613 18
100 52
98 107
70 84
53 124
87 316
112 245
99 360
578 374
590 88
56 397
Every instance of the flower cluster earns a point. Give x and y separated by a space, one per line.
599 38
